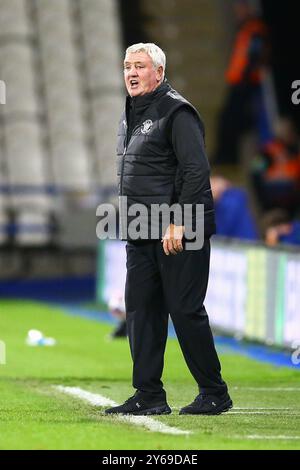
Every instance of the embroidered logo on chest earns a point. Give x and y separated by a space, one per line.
146 127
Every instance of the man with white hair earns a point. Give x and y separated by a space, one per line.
161 159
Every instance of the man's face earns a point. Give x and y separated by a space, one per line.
140 75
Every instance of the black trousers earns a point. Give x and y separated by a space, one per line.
156 286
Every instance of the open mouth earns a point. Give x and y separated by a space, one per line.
133 83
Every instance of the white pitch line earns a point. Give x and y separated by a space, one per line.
99 400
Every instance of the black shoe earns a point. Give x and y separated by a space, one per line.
139 405
120 331
208 405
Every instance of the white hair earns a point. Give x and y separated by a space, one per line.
157 55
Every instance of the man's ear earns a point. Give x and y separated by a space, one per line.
159 73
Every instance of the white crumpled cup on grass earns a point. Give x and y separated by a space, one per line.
36 338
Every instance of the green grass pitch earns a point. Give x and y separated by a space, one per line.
34 415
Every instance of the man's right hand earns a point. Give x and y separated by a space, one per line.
172 240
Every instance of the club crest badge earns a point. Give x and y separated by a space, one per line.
146 127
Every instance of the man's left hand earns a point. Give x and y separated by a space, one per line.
172 240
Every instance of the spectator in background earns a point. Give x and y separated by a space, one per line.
232 211
280 228
117 309
244 108
276 172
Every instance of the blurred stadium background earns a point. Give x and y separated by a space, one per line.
61 62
